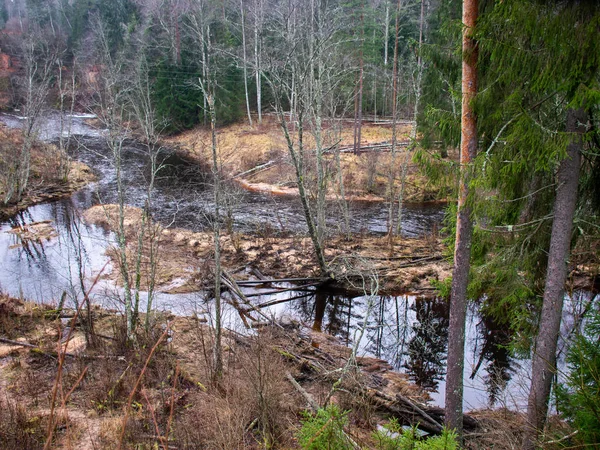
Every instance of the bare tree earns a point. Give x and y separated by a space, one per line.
258 22
306 80
200 28
66 98
245 59
38 56
391 168
413 133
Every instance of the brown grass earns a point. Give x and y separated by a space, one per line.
186 257
45 181
176 404
242 147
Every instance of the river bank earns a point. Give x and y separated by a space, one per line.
411 265
163 389
257 158
45 183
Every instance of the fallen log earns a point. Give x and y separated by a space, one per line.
281 290
53 354
429 418
275 280
283 300
258 168
232 285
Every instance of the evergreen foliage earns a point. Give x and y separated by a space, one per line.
324 430
395 437
439 118
579 396
537 60
175 99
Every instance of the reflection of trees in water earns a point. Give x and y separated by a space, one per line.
330 312
388 330
411 334
426 353
494 351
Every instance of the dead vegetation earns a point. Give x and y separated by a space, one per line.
158 393
45 180
256 157
186 256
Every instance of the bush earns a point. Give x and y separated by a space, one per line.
324 430
394 437
19 429
579 397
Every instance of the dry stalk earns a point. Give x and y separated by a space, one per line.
62 353
137 383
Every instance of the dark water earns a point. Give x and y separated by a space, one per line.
183 198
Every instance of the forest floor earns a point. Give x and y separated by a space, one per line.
45 183
258 159
160 392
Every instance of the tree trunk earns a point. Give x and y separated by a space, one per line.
464 227
257 12
245 63
359 88
392 168
413 132
544 356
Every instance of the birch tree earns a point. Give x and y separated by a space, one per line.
200 27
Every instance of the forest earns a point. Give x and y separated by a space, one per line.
308 224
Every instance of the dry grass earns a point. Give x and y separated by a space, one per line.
177 405
45 180
242 148
186 257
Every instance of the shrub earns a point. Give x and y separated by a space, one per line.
394 437
324 430
579 396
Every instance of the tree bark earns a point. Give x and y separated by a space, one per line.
258 23
464 227
245 62
544 356
359 88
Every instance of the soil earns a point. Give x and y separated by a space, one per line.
44 182
186 257
163 385
243 148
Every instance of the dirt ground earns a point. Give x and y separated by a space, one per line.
243 148
160 391
186 258
44 182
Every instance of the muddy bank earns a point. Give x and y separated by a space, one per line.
257 158
162 390
45 183
185 258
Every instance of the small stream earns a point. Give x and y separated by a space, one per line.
409 332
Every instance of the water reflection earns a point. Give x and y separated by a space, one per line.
42 269
494 353
426 353
412 335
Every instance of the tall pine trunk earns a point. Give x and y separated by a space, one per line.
464 227
544 356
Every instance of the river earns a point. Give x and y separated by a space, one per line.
409 332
